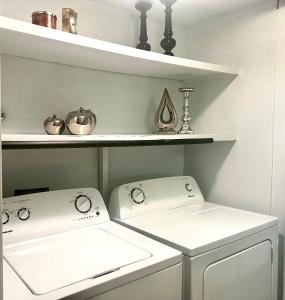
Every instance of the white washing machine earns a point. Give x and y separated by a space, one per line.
62 245
229 254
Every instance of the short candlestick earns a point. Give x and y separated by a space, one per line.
186 129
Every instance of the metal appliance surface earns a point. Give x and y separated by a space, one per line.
62 245
229 254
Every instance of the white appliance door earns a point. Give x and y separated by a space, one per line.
246 275
48 264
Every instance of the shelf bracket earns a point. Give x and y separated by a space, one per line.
103 172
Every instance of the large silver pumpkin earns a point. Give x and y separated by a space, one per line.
81 122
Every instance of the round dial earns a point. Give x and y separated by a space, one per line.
137 196
23 214
188 187
5 218
83 204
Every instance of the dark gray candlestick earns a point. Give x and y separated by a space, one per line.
168 43
143 7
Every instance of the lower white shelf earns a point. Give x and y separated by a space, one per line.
14 141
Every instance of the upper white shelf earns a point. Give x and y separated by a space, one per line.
14 141
26 40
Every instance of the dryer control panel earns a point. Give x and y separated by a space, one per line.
143 197
36 215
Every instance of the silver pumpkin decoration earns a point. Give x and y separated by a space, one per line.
81 122
54 126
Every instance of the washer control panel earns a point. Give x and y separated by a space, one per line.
36 215
139 198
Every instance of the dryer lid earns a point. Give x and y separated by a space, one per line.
50 263
196 229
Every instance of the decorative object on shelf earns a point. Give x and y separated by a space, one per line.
168 43
81 122
54 126
165 124
143 6
186 129
3 116
44 18
69 20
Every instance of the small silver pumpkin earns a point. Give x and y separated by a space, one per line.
54 126
81 122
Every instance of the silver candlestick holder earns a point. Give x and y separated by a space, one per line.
186 129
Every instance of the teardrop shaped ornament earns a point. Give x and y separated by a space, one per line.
166 117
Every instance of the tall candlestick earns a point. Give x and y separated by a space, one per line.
143 7
168 43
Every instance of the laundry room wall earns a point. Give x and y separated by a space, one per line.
122 104
248 174
240 173
34 90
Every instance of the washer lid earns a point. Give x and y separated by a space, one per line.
196 229
54 262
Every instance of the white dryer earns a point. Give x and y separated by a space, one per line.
62 245
229 254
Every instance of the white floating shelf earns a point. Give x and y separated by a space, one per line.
14 141
26 40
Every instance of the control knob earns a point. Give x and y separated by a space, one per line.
137 195
188 187
83 204
5 218
23 214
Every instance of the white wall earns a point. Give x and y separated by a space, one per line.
123 104
248 174
241 173
34 90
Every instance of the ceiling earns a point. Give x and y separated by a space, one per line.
186 12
